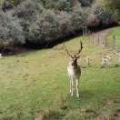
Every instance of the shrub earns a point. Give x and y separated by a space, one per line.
63 5
10 29
86 2
101 15
7 5
113 4
79 17
106 16
46 21
65 24
45 28
52 25
28 12
44 25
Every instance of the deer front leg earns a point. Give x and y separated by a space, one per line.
72 87
77 88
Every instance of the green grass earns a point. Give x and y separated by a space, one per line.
116 33
35 85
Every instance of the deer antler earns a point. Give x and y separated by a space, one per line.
65 48
80 49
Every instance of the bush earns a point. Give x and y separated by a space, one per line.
42 21
10 29
79 17
86 2
113 4
93 21
28 12
10 4
65 24
63 5
44 25
50 27
99 15
45 28
106 16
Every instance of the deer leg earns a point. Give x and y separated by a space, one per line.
77 87
108 62
72 87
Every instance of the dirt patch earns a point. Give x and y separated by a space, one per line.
117 115
49 115
102 117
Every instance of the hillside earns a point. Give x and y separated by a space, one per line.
34 85
39 23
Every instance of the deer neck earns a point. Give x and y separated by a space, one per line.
74 65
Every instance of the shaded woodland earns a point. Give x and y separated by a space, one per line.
39 23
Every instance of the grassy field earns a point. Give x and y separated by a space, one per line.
34 85
1 1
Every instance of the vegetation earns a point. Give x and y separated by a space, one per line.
41 22
115 5
31 87
34 85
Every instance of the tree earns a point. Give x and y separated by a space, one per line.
113 4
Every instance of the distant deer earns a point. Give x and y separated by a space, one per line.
106 60
118 55
74 70
88 61
0 55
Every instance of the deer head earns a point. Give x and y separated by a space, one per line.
74 57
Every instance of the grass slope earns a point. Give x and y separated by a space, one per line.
34 86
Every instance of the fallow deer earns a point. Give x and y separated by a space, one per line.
106 60
118 55
74 70
88 61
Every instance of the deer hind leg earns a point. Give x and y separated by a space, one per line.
77 88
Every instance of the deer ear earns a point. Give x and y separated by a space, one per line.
70 58
78 56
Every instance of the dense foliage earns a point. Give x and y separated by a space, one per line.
41 21
114 4
11 31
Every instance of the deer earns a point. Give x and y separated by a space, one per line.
118 55
0 55
88 61
74 70
106 60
